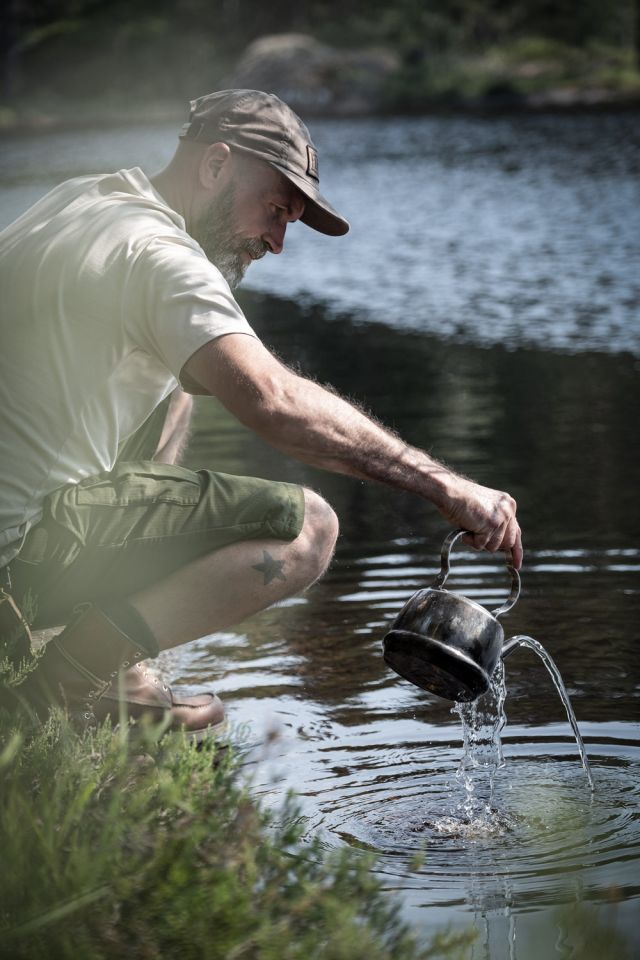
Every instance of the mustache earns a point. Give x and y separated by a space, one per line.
256 248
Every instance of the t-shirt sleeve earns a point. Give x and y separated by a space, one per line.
177 301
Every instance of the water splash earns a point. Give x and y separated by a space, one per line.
482 720
536 646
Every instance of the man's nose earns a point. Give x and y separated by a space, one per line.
274 238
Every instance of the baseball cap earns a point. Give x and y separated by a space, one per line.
263 126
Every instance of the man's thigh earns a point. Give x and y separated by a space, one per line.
116 533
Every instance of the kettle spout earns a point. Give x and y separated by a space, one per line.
509 646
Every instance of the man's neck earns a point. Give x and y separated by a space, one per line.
164 183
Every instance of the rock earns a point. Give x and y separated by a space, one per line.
314 78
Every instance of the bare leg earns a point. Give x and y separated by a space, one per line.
225 587
175 432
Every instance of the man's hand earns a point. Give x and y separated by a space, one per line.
490 514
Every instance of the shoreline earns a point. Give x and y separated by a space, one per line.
70 116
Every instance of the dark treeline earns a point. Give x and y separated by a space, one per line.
167 48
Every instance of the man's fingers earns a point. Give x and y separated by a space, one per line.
517 552
481 539
506 537
491 515
496 540
512 542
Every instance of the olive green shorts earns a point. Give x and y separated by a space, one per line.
116 533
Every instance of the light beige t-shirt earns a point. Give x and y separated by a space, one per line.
103 298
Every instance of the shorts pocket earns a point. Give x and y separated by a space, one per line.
140 482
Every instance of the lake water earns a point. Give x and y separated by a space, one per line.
487 305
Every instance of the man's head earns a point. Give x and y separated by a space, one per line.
261 126
245 168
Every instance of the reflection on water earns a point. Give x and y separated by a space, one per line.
472 243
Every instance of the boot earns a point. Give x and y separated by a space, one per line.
86 667
145 695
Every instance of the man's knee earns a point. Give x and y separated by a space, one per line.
320 528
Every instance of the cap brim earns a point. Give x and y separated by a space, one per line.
318 212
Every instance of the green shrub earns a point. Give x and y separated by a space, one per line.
153 848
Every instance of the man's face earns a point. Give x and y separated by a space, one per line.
247 218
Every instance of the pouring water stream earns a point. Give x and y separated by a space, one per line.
523 641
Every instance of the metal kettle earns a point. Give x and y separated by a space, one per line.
444 642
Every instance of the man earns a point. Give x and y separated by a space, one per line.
115 290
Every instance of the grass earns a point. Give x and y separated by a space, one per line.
150 849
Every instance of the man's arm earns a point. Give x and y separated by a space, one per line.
313 424
175 431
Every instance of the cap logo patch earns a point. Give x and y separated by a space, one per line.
312 163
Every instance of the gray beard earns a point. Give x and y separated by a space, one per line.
215 232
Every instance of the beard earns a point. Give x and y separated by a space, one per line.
216 233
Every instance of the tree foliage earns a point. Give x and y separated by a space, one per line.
169 48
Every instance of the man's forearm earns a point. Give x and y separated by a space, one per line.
315 425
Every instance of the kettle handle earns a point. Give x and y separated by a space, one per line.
445 568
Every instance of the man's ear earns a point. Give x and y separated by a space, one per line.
216 160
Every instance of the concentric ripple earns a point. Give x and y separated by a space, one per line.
541 828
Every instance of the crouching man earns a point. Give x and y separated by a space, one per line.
117 289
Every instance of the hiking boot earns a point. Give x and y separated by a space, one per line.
93 667
145 695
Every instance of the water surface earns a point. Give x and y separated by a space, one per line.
485 305
374 760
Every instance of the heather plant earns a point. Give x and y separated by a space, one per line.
148 848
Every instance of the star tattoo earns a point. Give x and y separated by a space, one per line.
272 569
